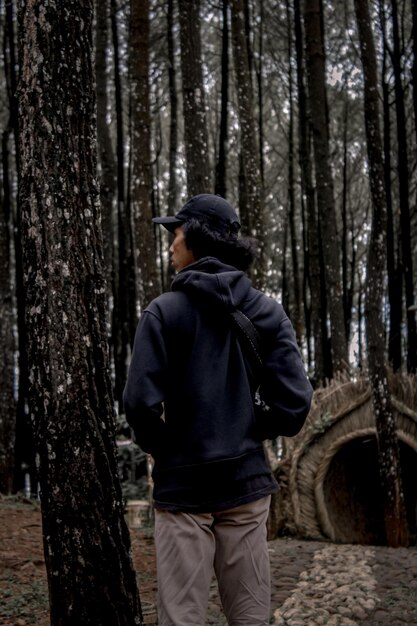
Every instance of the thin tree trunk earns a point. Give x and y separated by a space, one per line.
23 451
7 349
87 548
145 249
105 146
394 270
123 326
347 280
296 316
221 165
260 84
313 265
9 34
414 67
403 179
396 528
317 98
195 129
251 200
7 317
173 119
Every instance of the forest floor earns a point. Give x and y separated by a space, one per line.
23 584
313 582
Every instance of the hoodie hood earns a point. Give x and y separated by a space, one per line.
215 282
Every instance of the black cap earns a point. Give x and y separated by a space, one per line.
214 209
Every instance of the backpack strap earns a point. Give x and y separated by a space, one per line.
249 334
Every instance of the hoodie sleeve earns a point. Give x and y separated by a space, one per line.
144 391
285 391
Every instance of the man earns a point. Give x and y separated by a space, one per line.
189 398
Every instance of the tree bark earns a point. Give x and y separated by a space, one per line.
7 366
147 285
394 271
251 196
221 165
296 316
312 265
348 226
87 548
396 527
7 316
403 179
173 119
260 85
105 145
414 67
317 100
124 285
195 129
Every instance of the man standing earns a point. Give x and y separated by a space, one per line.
189 398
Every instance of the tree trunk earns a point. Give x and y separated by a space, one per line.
221 166
105 146
10 68
317 99
403 179
195 129
296 316
251 198
260 85
414 68
23 449
396 528
394 272
147 286
7 348
7 317
90 574
312 267
348 226
124 275
173 118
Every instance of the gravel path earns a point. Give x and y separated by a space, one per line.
323 584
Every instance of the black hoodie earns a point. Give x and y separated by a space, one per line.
190 389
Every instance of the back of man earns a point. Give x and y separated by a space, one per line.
190 400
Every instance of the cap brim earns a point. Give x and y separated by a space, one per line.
169 221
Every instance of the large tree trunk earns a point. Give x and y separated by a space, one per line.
147 286
195 129
251 196
90 574
317 99
388 450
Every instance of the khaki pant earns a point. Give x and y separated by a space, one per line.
234 541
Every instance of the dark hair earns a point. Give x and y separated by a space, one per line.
204 240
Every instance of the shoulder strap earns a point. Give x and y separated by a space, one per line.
249 334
